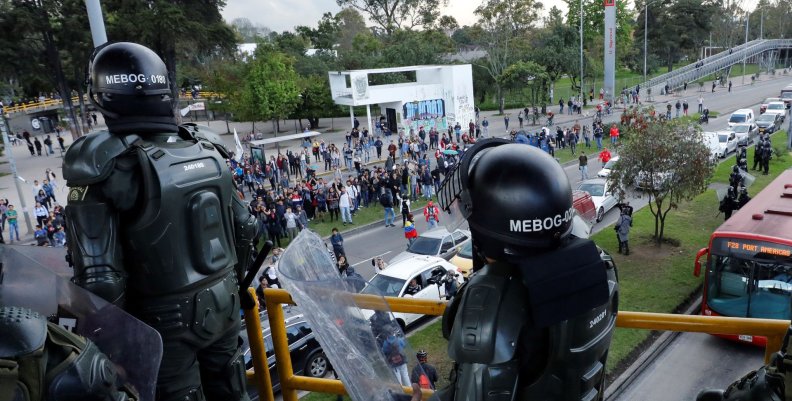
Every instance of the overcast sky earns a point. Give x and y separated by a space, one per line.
280 15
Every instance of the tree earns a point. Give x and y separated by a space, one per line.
350 24
315 100
225 77
390 15
668 160
502 25
557 50
325 35
176 30
527 76
270 90
594 26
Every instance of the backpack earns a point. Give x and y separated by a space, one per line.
423 381
386 198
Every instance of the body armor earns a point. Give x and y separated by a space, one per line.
504 353
155 227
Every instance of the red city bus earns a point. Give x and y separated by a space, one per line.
749 260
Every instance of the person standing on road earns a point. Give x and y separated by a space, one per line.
410 233
614 133
337 241
583 166
13 227
604 156
701 104
623 231
485 127
432 215
598 132
730 85
713 86
345 204
678 106
685 107
386 200
505 121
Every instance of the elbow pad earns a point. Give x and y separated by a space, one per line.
245 230
95 250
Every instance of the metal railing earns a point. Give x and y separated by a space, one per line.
290 383
51 102
714 63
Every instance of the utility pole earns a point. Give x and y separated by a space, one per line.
761 26
10 153
96 22
646 24
581 53
745 54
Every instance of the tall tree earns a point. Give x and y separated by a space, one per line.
175 29
350 24
556 48
527 76
668 160
325 35
270 90
390 15
502 26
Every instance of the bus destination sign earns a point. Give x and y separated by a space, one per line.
753 248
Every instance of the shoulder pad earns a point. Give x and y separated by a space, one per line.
204 133
24 331
90 159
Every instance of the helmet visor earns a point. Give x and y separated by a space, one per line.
449 199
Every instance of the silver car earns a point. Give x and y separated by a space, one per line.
436 242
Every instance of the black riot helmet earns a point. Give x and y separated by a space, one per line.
128 83
514 197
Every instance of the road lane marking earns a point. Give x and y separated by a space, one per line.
369 259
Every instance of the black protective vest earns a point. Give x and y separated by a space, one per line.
184 234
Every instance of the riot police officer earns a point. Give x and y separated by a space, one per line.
729 203
767 153
156 227
513 326
742 157
744 198
736 179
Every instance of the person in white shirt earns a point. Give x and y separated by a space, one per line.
345 204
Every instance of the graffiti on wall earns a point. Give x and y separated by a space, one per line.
424 109
465 109
438 123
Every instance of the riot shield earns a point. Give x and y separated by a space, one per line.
134 347
367 350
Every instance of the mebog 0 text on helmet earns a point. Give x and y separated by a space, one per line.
435 96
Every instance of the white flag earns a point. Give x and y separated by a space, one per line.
239 149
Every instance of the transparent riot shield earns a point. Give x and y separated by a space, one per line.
367 349
134 347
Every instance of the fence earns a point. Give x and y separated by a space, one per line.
290 383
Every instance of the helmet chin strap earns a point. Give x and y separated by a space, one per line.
106 113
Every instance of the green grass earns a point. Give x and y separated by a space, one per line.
651 279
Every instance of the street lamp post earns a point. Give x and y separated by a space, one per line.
646 24
745 54
581 52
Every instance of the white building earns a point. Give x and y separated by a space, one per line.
440 96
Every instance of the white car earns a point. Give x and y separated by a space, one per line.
745 133
777 108
606 169
601 195
741 116
727 143
393 282
711 140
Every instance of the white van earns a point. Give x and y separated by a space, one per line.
742 116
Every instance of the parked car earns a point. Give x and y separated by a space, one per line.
745 133
711 140
425 270
306 354
727 143
606 169
463 260
741 116
584 205
777 108
603 198
435 242
763 106
786 96
769 122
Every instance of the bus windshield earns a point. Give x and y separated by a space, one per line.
751 284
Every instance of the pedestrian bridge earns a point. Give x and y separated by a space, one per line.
766 51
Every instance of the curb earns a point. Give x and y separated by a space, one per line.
621 383
366 226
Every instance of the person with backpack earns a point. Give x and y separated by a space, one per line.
393 350
404 204
423 374
386 200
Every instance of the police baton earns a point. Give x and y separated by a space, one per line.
246 301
